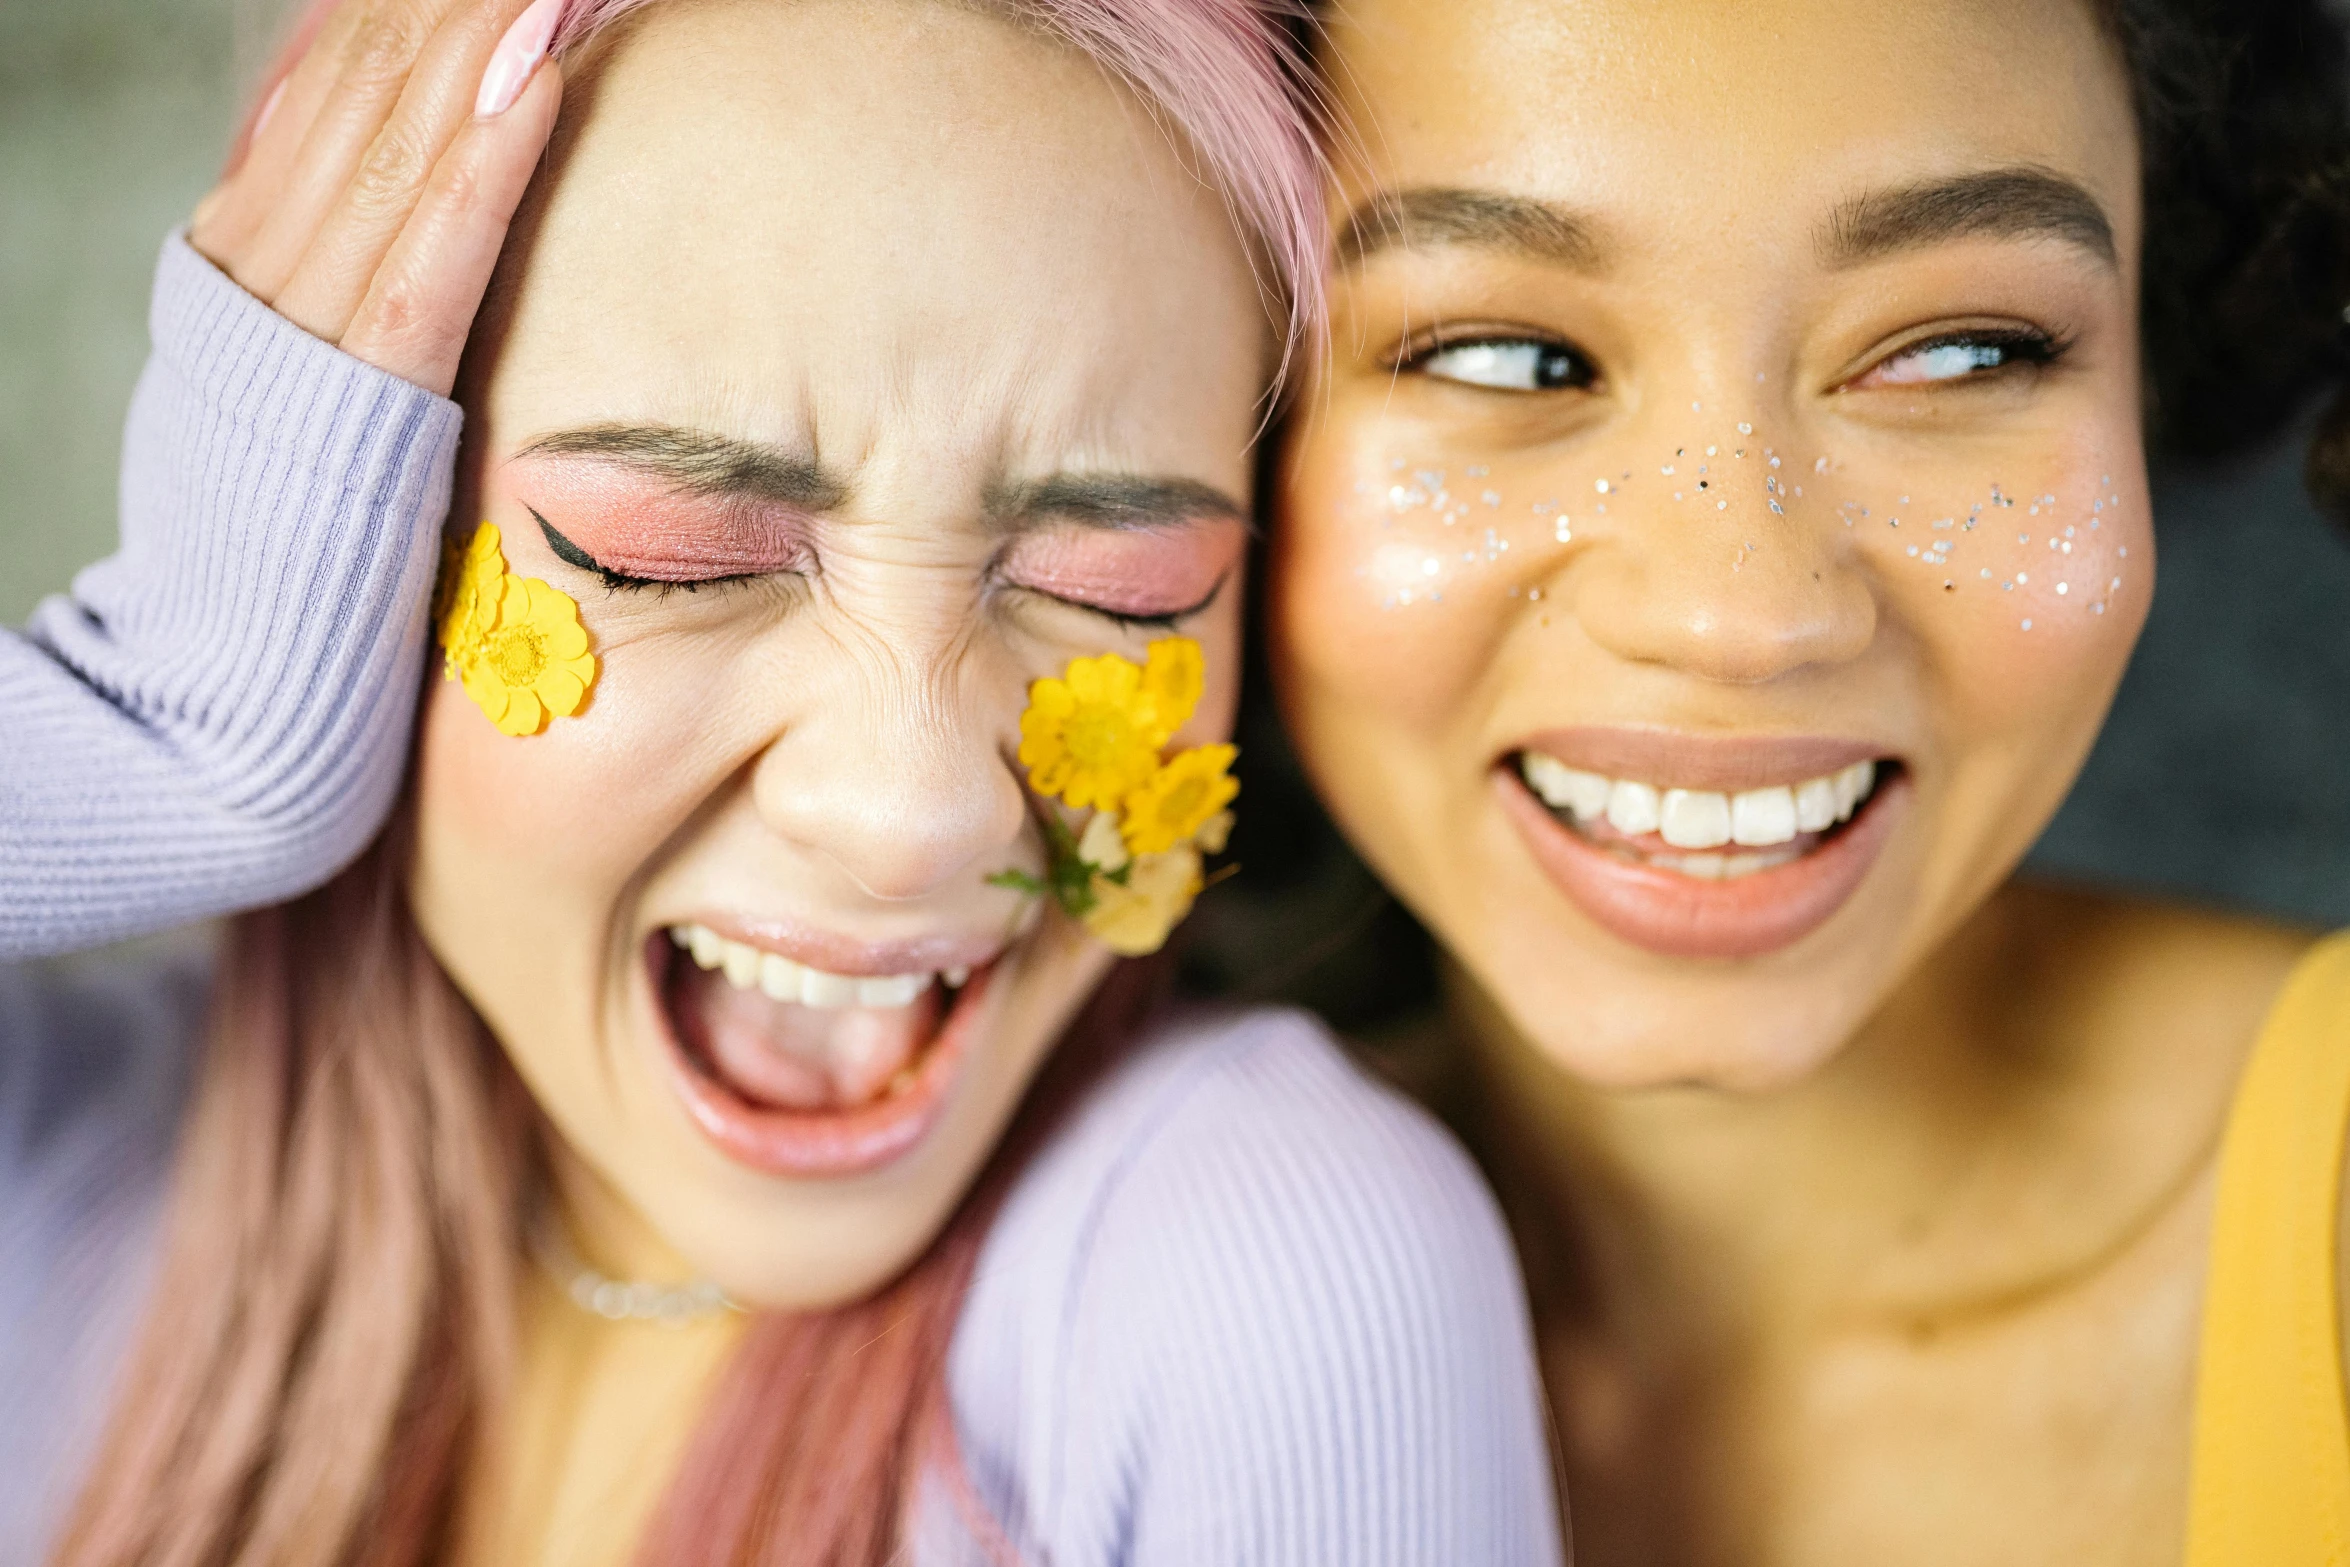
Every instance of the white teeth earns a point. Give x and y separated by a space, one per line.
1853 785
819 989
1815 805
957 977
1703 819
1762 817
1565 788
780 979
891 990
779 976
1695 819
1632 808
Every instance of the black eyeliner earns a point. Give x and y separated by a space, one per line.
1167 622
572 555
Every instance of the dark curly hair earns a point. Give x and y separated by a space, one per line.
2244 125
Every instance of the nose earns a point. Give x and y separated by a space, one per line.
899 778
1740 593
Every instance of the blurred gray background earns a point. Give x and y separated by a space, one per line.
2225 774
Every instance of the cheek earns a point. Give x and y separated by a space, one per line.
2026 594
1394 580
525 848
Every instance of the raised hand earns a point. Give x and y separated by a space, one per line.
376 184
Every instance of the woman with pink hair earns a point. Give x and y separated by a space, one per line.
713 1121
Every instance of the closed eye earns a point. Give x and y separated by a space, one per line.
572 555
1168 621
1505 364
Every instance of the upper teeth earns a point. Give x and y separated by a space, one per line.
1701 818
747 967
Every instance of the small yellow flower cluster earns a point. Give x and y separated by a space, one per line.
1092 739
515 641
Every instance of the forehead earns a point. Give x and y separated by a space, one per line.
1698 117
811 219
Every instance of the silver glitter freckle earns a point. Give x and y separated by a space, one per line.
1721 505
2062 588
2027 625
1746 429
1712 451
1600 485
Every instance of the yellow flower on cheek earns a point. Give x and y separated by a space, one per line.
1180 799
515 642
469 592
1091 737
1134 917
1173 677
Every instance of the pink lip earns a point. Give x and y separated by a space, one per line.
1683 917
837 954
819 1143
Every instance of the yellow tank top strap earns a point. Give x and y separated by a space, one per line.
2271 1483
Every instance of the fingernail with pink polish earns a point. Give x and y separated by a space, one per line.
518 54
277 95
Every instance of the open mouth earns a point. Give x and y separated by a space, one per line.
797 1070
1699 872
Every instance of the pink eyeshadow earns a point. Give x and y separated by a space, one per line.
640 528
1138 571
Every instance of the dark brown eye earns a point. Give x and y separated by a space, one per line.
1508 365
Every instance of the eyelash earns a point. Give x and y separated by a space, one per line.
2023 347
1581 373
1167 622
572 555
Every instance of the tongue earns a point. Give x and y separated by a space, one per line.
795 1057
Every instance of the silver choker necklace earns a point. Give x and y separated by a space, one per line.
621 1300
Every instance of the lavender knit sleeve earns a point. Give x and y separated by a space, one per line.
218 715
1250 1309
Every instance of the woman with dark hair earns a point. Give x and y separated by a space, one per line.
1703 560
727 1115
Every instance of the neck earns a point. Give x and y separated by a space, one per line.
1999 1126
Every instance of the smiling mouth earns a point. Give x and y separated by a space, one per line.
1706 873
797 1070
1704 834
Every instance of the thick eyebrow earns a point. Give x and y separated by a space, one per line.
1110 500
1485 219
700 462
2012 203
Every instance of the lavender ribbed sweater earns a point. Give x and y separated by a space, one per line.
218 716
1247 1310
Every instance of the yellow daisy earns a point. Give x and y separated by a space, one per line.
534 661
1134 919
1092 737
472 584
1173 677
1180 798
